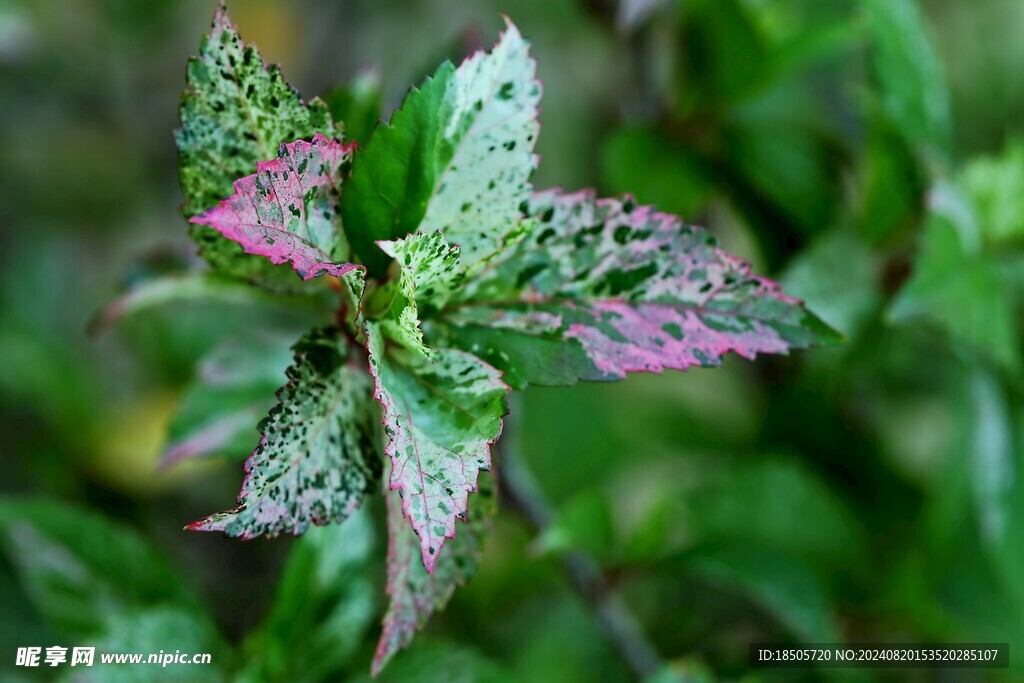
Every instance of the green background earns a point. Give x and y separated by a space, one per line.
864 153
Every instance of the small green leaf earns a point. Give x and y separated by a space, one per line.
80 570
235 113
429 272
415 593
456 157
909 73
318 457
233 388
441 416
995 185
961 289
357 105
838 277
194 287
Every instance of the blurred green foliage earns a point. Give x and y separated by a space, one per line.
867 153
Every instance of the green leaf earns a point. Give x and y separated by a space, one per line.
80 570
722 57
995 185
318 456
960 289
416 594
892 182
584 523
235 113
778 584
441 416
909 73
233 388
995 463
658 169
456 157
838 277
357 105
443 661
429 272
625 289
164 629
324 604
194 287
777 502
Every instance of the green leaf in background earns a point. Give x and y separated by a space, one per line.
837 277
785 160
995 185
441 417
781 586
583 523
357 105
996 469
429 269
324 605
233 389
891 180
959 288
659 170
723 54
318 457
456 157
163 629
235 113
430 661
191 287
416 594
81 571
909 73
777 502
636 290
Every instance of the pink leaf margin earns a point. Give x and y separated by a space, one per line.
238 217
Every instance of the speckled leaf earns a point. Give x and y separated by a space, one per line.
318 455
415 593
629 289
287 210
235 112
441 416
456 157
430 270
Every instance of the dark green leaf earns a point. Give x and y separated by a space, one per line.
456 157
81 571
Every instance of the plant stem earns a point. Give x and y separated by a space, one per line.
620 625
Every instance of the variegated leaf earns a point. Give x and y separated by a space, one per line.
456 157
235 113
429 272
287 210
318 457
415 593
441 416
628 289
